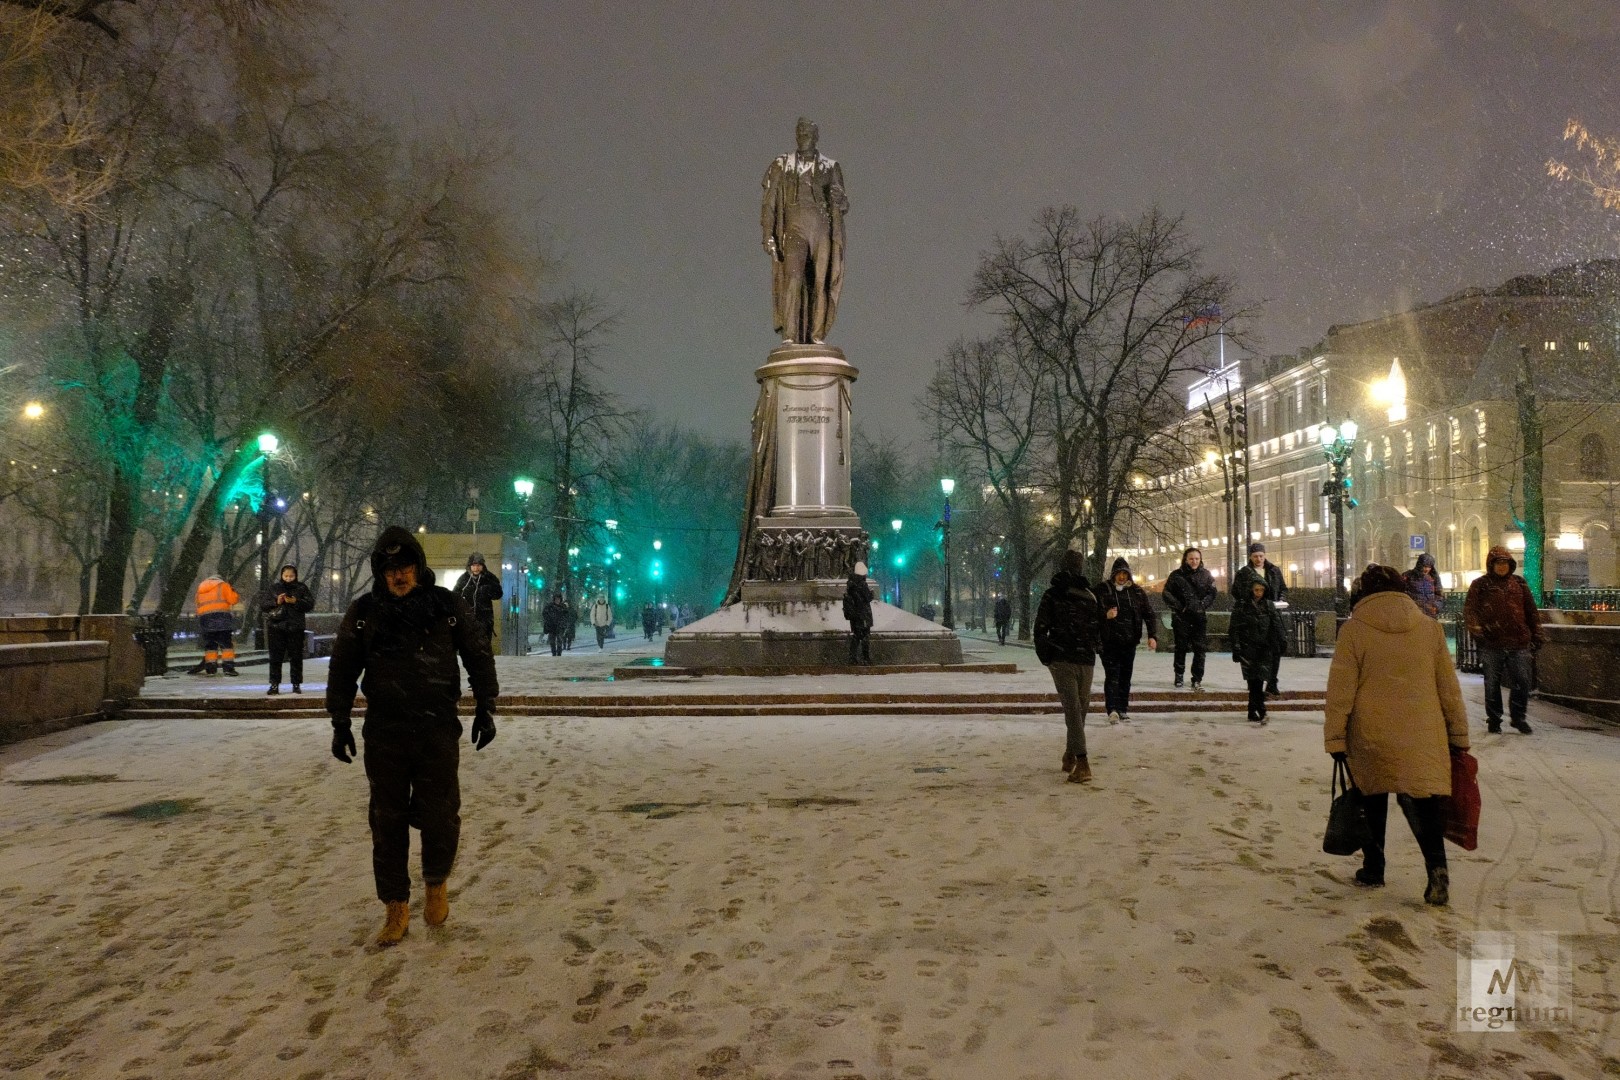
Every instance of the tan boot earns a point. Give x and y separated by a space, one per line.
1068 761
436 908
1082 771
397 922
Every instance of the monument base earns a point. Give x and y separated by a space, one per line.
807 631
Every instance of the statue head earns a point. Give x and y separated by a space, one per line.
806 134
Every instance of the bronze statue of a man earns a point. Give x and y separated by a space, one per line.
802 217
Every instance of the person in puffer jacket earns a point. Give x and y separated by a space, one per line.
1068 626
1423 586
1501 614
406 635
1126 614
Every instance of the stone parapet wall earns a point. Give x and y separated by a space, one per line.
49 685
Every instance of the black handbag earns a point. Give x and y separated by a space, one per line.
1347 821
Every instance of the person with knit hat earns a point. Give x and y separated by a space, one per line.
1261 568
405 636
283 605
858 610
1423 586
1395 715
1068 629
1126 613
1501 614
480 589
1257 639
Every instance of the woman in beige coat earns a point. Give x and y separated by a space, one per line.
1395 712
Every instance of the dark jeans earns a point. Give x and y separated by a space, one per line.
1191 634
1427 817
1119 661
1515 664
1073 683
556 642
1001 632
860 643
286 645
601 637
1271 683
413 777
1257 697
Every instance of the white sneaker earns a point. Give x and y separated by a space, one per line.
1197 686
1113 718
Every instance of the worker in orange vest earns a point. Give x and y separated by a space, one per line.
215 599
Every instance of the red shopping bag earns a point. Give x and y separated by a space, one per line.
1462 809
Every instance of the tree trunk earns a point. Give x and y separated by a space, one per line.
177 586
151 356
1534 524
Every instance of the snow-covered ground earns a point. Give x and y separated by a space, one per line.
785 897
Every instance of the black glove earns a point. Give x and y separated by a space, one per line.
343 747
483 729
1340 755
1237 657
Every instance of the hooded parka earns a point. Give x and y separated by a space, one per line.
1500 611
1393 701
1423 586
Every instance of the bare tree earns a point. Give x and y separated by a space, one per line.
1114 315
575 417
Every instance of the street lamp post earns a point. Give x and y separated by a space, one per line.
268 445
895 525
1337 446
947 485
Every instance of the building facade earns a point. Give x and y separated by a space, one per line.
1439 459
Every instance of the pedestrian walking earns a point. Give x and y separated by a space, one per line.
601 619
404 638
649 619
283 607
1262 568
1068 629
1126 615
1423 586
1189 592
216 624
858 610
1257 637
1500 612
480 589
554 623
1003 613
1395 715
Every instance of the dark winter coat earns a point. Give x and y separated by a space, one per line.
554 618
407 648
1500 611
480 593
1068 623
649 617
1003 614
1423 586
858 602
1188 591
1257 637
1135 613
1276 588
286 618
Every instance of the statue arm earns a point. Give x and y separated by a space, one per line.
767 209
835 189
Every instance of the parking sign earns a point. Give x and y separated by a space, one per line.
1418 543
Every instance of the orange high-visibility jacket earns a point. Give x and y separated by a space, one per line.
215 594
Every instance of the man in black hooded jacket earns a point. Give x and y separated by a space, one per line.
284 605
1068 629
405 635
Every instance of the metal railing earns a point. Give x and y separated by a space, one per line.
153 638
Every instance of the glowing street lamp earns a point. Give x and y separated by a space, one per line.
1337 446
947 485
33 410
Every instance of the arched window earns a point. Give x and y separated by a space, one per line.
1594 458
1474 554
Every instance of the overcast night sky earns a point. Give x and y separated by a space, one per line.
1337 160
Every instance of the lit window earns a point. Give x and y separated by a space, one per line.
1583 346
1549 346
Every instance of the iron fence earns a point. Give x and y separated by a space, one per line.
153 637
1300 630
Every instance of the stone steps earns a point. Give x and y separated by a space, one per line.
773 704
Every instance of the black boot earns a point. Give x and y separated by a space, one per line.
1439 891
274 690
